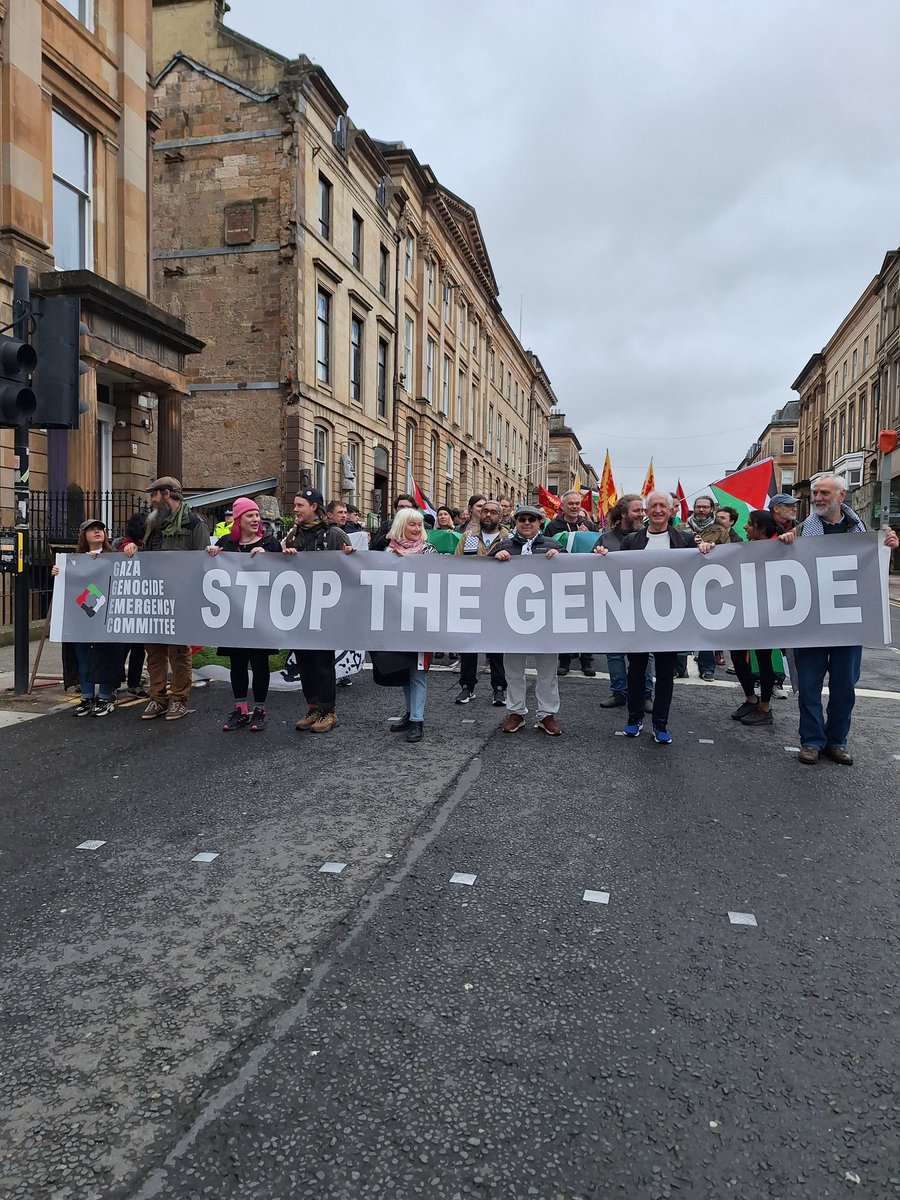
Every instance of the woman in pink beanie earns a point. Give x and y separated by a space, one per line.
246 537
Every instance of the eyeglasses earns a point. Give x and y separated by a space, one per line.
528 518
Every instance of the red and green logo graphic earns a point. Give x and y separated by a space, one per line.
91 600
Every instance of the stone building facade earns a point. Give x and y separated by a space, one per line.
74 210
778 441
850 390
566 462
355 339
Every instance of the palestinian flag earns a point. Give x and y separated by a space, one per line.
423 504
746 490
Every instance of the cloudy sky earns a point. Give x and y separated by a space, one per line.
686 196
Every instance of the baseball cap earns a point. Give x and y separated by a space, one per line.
528 510
91 521
782 498
312 496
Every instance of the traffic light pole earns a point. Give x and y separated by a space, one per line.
21 594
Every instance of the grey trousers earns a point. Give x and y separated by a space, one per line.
546 692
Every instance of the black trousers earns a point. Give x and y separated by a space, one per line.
134 656
468 670
242 663
665 685
740 660
317 677
587 660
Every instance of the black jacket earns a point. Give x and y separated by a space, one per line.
514 544
559 524
270 544
678 539
318 537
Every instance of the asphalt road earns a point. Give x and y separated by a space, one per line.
251 1027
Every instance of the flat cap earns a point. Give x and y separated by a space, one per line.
166 483
528 510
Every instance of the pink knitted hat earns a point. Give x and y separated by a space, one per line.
241 505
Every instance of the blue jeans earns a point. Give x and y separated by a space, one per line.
618 674
414 693
841 664
83 656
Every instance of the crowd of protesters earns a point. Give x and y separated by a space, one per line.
641 683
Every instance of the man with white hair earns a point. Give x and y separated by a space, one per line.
659 536
827 732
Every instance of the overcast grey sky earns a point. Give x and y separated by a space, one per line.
689 194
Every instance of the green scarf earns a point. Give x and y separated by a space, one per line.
173 526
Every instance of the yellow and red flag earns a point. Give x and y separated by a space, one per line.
608 496
649 482
548 502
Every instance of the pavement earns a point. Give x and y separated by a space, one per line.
667 971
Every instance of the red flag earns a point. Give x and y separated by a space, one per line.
649 482
685 511
548 502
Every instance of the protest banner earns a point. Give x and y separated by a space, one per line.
818 591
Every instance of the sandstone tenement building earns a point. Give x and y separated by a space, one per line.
355 339
74 209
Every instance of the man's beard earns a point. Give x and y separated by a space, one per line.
488 525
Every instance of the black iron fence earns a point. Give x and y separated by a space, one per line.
54 518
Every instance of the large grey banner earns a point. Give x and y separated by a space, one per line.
828 591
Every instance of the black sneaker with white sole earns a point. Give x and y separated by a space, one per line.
102 708
499 697
465 694
85 707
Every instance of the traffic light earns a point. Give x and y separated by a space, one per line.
58 331
17 398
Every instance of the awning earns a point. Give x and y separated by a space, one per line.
223 495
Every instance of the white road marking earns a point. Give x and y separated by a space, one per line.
739 918
469 721
331 868
16 718
792 749
463 878
90 845
706 741
595 897
205 856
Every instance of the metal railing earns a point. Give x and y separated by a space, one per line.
54 518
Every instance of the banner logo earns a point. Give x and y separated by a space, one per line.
91 600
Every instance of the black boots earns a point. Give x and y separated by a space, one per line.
416 731
402 725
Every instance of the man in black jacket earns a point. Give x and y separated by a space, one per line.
660 536
379 537
525 539
311 532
